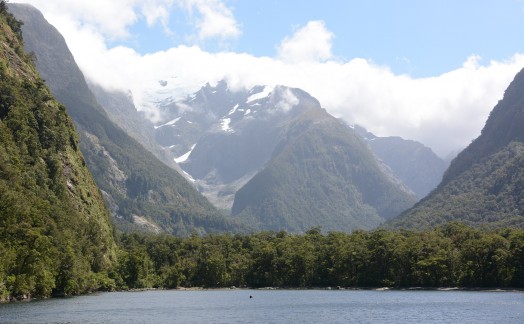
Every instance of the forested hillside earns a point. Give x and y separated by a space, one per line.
55 232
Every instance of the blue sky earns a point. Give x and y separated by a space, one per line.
420 38
428 70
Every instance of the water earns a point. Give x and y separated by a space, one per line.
273 306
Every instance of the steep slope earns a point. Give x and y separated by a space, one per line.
320 174
419 168
56 235
484 185
141 191
504 125
121 110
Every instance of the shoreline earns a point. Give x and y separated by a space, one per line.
443 289
480 289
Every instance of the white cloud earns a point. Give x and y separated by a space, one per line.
444 112
309 43
214 19
288 101
110 18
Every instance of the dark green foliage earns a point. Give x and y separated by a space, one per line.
55 232
454 255
135 183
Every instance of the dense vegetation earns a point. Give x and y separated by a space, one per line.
449 256
136 185
55 233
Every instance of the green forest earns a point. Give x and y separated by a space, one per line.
453 255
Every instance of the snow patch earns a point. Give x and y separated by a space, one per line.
183 158
261 95
233 110
170 123
224 124
188 176
247 112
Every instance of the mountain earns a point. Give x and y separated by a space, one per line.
143 192
277 160
121 110
56 236
484 185
419 168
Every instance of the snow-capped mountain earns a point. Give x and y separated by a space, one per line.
221 138
231 144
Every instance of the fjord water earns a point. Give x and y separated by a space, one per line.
273 306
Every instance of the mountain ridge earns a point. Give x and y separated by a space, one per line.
484 185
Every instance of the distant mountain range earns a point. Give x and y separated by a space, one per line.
484 185
419 168
267 157
276 160
222 139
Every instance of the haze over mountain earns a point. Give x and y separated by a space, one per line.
277 160
416 165
143 192
484 185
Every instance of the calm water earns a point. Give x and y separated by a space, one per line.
273 306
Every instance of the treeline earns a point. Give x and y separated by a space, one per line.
449 256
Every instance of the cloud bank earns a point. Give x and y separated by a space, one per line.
444 112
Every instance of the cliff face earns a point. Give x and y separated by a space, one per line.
56 235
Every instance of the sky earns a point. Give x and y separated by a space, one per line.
425 70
